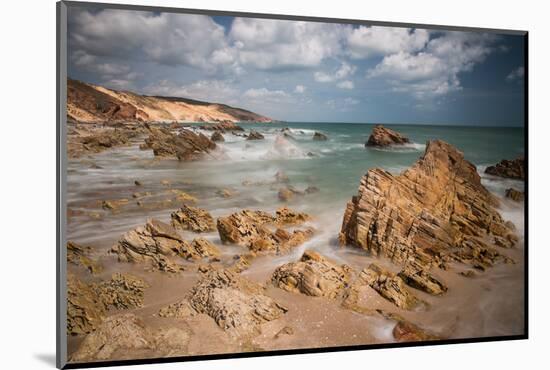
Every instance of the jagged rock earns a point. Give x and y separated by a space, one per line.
382 136
182 196
185 146
154 243
254 135
217 137
406 331
390 286
78 255
435 211
287 330
512 169
200 248
123 291
514 194
236 304
194 219
85 311
224 126
250 229
178 310
96 142
418 277
125 335
113 204
319 136
313 275
241 262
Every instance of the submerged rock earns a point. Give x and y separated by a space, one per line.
418 277
79 255
515 195
435 211
319 136
185 146
406 331
217 137
225 193
382 136
313 275
193 219
390 287
125 336
512 169
236 304
254 135
154 243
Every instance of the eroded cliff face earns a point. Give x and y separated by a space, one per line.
434 212
92 103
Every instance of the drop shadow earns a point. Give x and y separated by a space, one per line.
46 358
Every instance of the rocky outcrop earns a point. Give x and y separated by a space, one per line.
515 195
125 336
185 146
252 230
313 275
200 248
79 255
382 137
179 310
236 304
193 219
254 135
390 287
85 142
217 137
319 136
511 169
224 126
155 243
434 212
87 304
418 276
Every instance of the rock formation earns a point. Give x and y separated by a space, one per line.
418 276
313 275
224 126
319 136
382 136
512 169
236 304
200 248
405 331
155 243
254 135
179 310
185 146
125 336
436 211
79 255
514 194
193 219
252 230
123 291
217 137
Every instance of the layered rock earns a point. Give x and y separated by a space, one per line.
88 142
236 304
382 137
224 126
313 275
185 146
200 248
79 255
418 276
193 219
390 286
515 195
125 336
87 304
252 230
511 169
435 211
319 136
155 243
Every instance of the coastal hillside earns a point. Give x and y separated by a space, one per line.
90 103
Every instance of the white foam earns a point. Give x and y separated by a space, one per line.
402 148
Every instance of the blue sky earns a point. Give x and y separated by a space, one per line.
304 71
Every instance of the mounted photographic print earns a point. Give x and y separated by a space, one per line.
234 184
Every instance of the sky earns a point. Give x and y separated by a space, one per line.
304 71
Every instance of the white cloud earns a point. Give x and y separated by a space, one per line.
278 44
347 84
516 74
265 94
345 70
343 105
365 42
300 89
434 71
